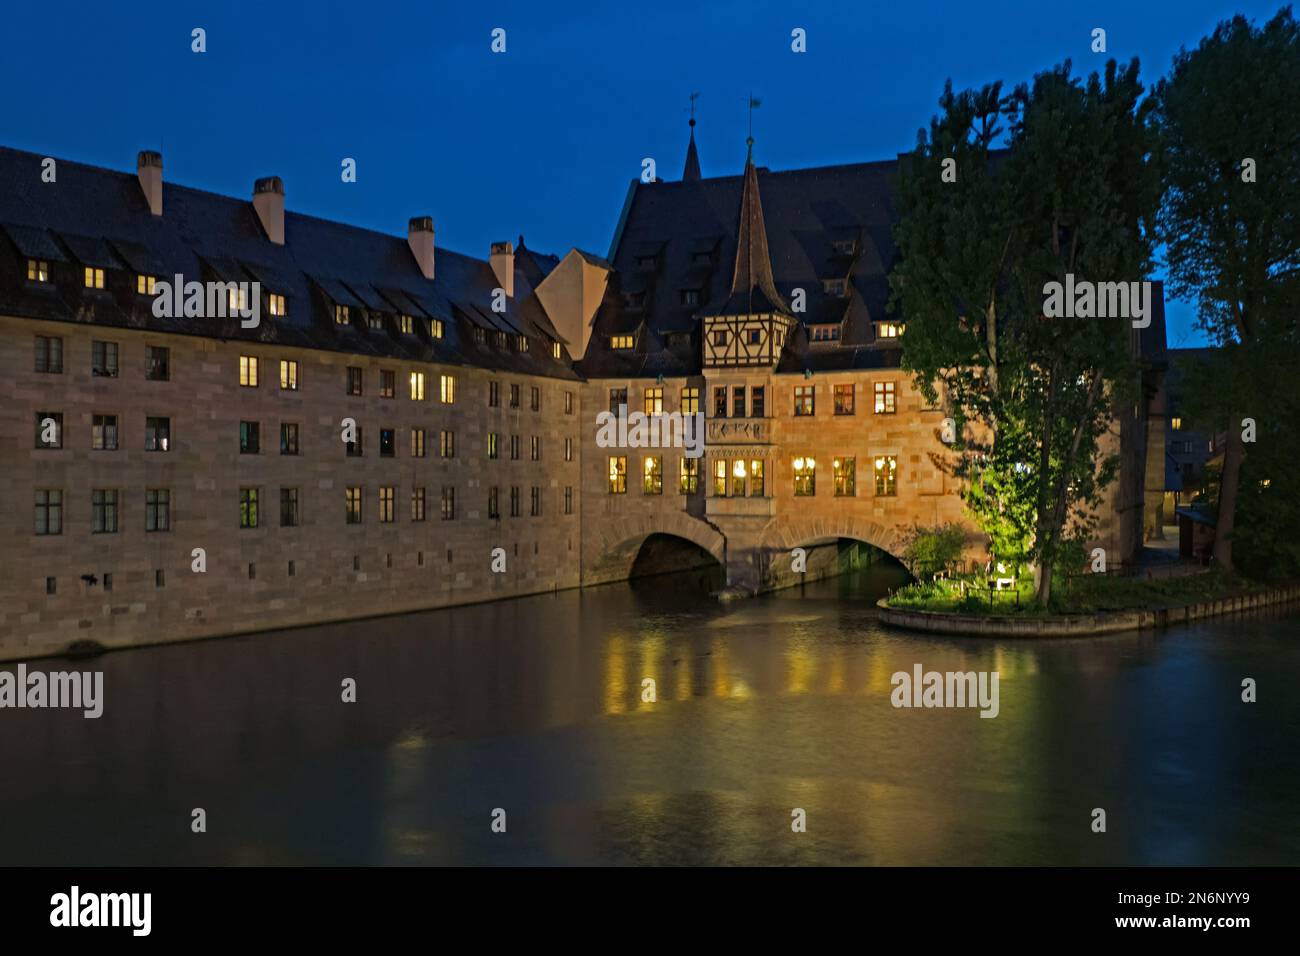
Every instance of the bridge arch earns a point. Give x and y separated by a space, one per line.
785 534
616 546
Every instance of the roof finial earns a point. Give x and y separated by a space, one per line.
691 172
754 103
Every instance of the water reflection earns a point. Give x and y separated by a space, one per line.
537 707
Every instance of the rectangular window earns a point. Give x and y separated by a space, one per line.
739 478
288 375
248 371
535 502
494 394
720 338
103 432
103 511
804 399
103 359
417 442
568 499
568 403
405 324
341 315
654 401
356 380
805 477
447 388
157 509
38 270
447 444
248 507
354 513
652 479
157 363
288 507
288 438
275 304
884 398
514 501
846 470
617 399
94 278
375 321
417 386
756 478
49 429
494 502
514 447
690 400
621 342
757 401
689 479
448 503
435 328
387 383
535 447
49 354
492 445
514 396
886 475
49 511
887 330
386 507
568 449
738 401
720 478
417 504
720 401
249 438
556 352
843 399
617 475
354 448
535 398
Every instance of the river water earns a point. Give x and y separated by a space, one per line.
535 707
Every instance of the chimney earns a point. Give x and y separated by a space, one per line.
268 201
503 265
148 166
419 236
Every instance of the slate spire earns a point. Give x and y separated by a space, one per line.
691 174
752 285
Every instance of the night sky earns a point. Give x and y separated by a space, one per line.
543 139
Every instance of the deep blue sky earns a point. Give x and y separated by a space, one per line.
541 140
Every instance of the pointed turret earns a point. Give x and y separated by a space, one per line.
752 288
691 174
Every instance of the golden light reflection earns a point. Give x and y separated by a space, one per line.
615 676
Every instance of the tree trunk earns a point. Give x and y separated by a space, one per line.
1228 484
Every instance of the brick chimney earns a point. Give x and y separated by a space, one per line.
503 265
419 236
148 166
268 201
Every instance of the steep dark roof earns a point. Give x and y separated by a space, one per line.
99 217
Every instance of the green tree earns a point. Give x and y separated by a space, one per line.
1229 116
1074 192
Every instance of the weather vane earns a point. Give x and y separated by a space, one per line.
753 103
694 97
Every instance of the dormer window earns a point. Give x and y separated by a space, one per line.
521 343
556 351
275 304
702 259
887 330
406 324
824 333
621 341
341 316
94 278
375 322
634 300
690 297
833 287
38 271
144 285
236 299
647 263
480 335
435 328
843 247
499 340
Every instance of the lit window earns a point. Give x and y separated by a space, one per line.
248 371
386 508
38 271
887 330
845 477
94 278
804 400
1176 423
341 316
556 352
237 299
653 481
447 444
617 475
248 507
756 478
621 342
447 388
417 442
157 434
406 324
435 328
739 478
690 400
843 399
720 478
492 450
805 477
521 343
375 321
275 304
354 505
654 401
689 482
535 447
884 392
886 475
417 386
288 375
